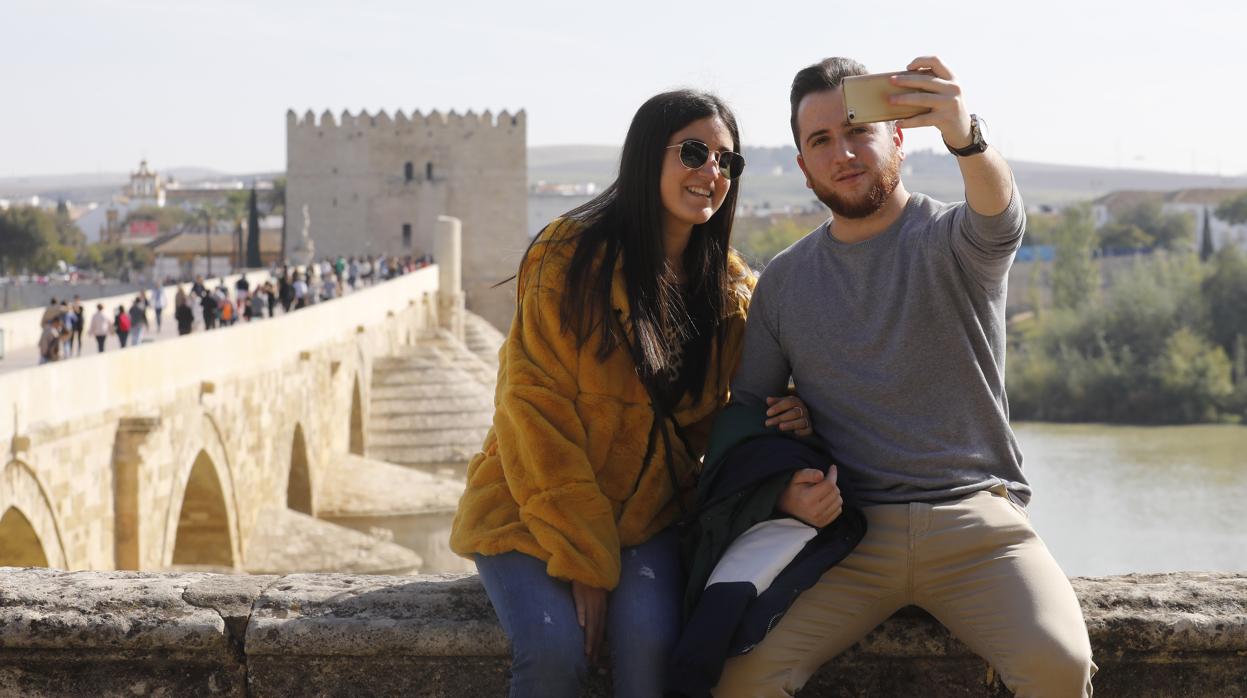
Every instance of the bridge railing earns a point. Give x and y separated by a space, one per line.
150 373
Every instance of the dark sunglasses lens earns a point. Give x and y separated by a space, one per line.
732 164
693 154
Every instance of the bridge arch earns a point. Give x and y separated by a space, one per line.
299 480
203 537
202 512
29 529
19 544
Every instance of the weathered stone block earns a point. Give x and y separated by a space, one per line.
89 634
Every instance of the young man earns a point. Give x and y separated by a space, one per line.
890 320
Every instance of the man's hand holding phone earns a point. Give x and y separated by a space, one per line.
938 91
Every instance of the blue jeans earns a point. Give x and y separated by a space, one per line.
547 644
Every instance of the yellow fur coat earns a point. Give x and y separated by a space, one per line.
560 475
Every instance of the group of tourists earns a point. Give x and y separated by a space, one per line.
63 324
203 308
735 478
365 271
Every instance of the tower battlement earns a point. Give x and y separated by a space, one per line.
504 120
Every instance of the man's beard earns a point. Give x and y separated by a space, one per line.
885 181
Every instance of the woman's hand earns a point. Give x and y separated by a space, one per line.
591 615
790 413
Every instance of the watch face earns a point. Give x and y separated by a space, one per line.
980 130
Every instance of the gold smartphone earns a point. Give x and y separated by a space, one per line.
866 98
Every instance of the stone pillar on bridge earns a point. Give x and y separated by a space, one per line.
132 433
448 253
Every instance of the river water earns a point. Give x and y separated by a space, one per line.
1112 500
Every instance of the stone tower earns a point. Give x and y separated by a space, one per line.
374 184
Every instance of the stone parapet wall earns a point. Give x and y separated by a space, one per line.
114 633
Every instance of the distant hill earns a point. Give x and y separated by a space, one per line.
98 186
773 179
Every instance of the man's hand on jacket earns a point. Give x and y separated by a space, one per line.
812 497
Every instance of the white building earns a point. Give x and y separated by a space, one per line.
1199 203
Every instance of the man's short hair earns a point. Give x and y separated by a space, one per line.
825 75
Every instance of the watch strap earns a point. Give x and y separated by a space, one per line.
977 144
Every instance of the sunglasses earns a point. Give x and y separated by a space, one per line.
694 154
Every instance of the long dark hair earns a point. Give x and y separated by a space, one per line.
627 218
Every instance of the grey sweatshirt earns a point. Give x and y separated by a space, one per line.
897 345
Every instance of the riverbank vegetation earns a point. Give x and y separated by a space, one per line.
1164 343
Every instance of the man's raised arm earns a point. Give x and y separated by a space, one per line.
988 180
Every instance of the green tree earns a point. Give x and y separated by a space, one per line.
1124 236
89 257
277 197
1237 404
1149 303
52 257
67 231
1040 228
26 233
1116 359
253 232
19 241
760 246
1075 276
1193 377
1205 243
120 260
1233 210
1225 294
1171 231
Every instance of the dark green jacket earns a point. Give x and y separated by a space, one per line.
716 522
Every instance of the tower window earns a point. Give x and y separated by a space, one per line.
409 172
407 236
428 170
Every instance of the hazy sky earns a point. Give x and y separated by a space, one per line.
96 85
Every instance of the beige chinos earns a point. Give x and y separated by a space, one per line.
974 563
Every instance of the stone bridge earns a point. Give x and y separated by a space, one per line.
253 448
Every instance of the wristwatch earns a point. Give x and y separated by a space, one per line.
978 135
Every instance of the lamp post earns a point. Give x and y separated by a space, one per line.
209 239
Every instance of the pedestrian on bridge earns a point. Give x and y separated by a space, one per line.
79 321
100 327
121 323
138 321
158 304
182 313
50 340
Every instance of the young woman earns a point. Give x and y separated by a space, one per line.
628 326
